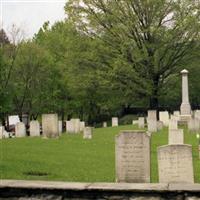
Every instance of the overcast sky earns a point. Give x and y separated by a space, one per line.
30 14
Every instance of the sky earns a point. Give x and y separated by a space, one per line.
30 15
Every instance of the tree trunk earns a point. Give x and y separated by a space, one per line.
154 104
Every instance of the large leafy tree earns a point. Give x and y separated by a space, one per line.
151 38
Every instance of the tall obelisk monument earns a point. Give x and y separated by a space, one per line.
185 106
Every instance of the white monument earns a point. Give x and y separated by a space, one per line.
185 106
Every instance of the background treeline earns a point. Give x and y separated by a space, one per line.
103 64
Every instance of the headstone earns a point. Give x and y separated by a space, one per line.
141 122
87 133
173 124
114 121
175 164
50 125
104 124
152 115
177 118
134 122
176 136
160 125
152 125
132 154
1 132
176 113
82 126
69 127
197 114
34 128
164 117
20 130
194 125
60 128
76 124
13 119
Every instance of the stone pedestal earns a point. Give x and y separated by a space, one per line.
185 106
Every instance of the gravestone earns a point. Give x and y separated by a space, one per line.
114 121
69 127
160 125
1 132
104 124
82 126
60 128
152 115
176 136
76 125
173 124
87 133
134 122
164 117
175 164
197 114
152 125
20 130
141 122
34 128
132 157
194 124
50 125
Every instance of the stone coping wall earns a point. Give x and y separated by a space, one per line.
39 190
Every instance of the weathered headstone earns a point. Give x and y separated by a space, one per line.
82 126
69 127
164 117
114 121
1 132
87 133
34 128
60 127
194 125
160 125
152 125
141 122
104 124
173 124
134 122
20 130
175 164
76 124
132 154
50 125
176 136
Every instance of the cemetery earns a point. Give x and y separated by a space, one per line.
102 104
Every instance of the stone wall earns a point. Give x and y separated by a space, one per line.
41 190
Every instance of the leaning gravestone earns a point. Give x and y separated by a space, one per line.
50 125
194 124
34 128
115 121
175 164
176 136
164 117
141 122
87 133
20 130
173 124
132 157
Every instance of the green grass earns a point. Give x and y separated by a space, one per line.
70 158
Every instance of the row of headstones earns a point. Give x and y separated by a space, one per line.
51 128
132 154
166 120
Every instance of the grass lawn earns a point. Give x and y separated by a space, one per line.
70 158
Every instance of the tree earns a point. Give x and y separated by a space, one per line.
152 38
3 38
